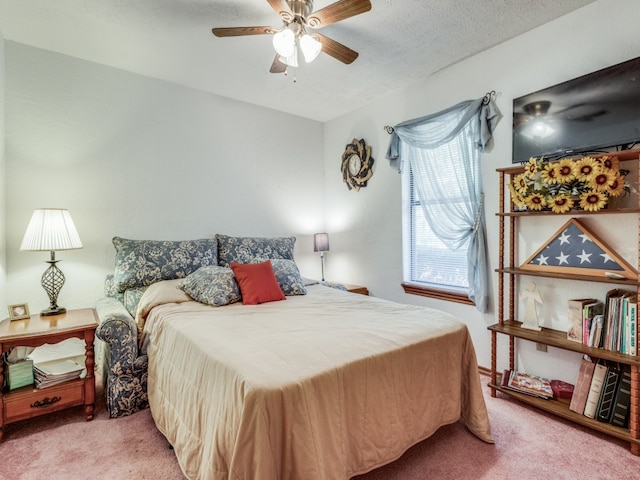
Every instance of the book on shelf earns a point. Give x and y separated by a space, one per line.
575 316
620 415
608 393
54 372
631 325
583 384
595 334
18 374
593 398
530 384
589 312
562 391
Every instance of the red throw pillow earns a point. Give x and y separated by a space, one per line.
257 282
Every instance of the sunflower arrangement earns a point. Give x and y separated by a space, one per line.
584 183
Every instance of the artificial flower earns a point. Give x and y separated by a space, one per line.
610 162
585 167
560 204
564 170
535 201
531 166
586 183
593 201
550 174
520 183
602 180
617 186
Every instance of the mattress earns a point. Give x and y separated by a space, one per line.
326 385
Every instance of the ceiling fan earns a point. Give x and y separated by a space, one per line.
298 16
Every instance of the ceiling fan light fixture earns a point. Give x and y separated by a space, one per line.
291 60
284 42
310 47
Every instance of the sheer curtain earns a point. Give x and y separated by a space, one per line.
444 151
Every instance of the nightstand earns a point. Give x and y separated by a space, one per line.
356 289
28 402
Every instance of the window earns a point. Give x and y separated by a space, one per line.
430 267
443 199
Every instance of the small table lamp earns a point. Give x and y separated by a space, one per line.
321 244
51 229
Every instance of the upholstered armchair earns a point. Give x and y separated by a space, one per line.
123 367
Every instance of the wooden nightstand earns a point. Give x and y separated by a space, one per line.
356 289
28 402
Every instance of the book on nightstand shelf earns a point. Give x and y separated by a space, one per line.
54 372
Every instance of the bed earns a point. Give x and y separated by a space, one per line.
325 385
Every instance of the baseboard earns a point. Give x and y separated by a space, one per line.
484 370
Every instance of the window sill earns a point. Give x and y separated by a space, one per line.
439 294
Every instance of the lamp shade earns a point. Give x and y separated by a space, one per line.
310 47
284 42
321 242
51 229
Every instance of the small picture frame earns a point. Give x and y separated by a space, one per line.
18 311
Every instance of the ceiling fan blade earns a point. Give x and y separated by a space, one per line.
337 11
239 31
336 50
277 66
281 7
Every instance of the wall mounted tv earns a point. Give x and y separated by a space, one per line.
591 113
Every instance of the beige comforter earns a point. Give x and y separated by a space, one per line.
322 386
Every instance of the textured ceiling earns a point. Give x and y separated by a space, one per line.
399 42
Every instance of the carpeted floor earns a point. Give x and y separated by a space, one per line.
529 445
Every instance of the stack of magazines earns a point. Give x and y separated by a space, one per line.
527 383
54 372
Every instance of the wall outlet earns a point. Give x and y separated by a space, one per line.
541 347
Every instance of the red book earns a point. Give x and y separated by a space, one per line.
562 390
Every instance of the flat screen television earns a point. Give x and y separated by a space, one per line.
592 113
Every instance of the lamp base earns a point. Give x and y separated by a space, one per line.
53 311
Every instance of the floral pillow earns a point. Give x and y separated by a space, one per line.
212 285
288 277
246 249
140 263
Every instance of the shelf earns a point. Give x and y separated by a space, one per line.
569 276
510 222
605 211
558 339
562 410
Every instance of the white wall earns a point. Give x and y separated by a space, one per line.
365 227
145 159
3 256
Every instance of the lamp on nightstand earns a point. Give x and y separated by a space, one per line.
321 244
51 229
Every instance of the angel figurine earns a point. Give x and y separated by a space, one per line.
532 296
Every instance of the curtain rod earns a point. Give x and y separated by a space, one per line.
485 101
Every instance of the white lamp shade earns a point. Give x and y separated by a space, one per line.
291 60
310 47
51 229
321 242
284 42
